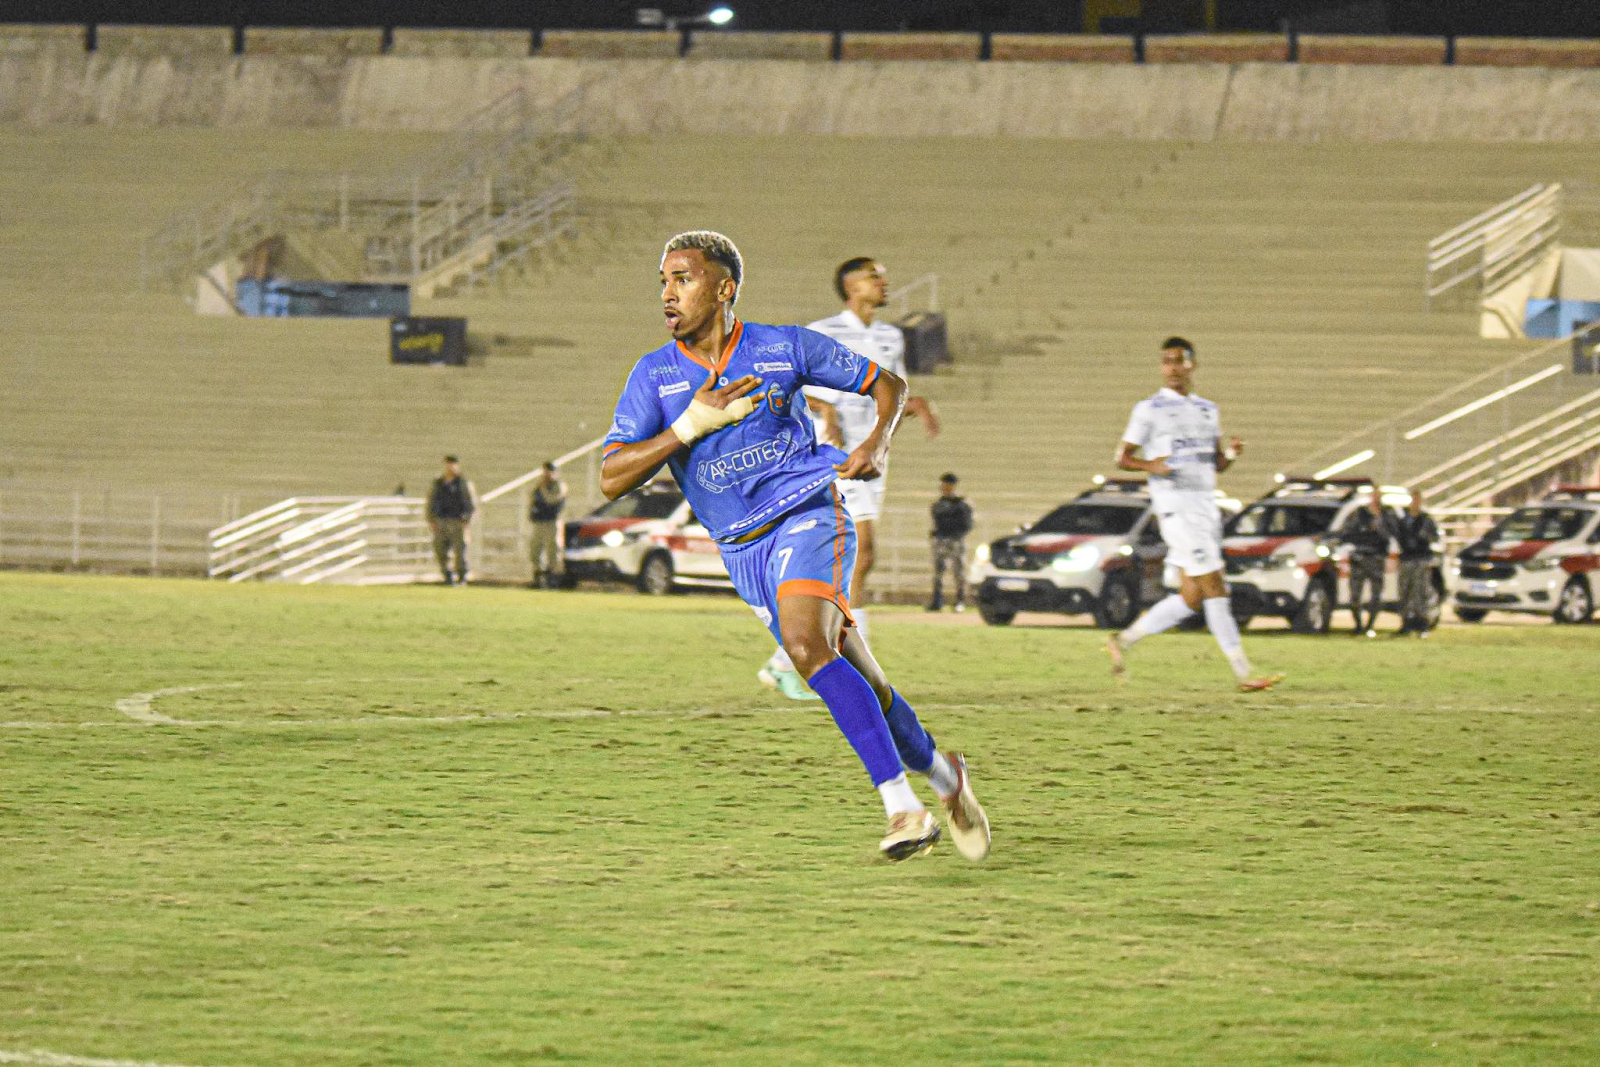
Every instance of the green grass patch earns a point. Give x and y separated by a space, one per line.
623 849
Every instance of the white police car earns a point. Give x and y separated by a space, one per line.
1101 553
1282 555
1543 559
648 537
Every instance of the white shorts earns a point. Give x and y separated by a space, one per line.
863 500
1192 530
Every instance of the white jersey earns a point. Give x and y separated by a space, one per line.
884 344
1186 431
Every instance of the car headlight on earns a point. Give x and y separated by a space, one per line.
981 555
612 539
1324 552
1078 560
1455 568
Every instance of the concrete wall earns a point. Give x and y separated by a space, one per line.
477 44
1175 101
165 40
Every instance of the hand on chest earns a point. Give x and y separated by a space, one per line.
778 388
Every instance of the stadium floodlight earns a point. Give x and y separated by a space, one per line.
657 18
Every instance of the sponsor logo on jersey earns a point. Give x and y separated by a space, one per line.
675 387
665 372
772 349
1193 444
732 468
809 524
767 367
777 399
624 424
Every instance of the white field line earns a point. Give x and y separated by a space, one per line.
62 1059
139 710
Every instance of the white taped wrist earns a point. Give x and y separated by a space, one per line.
699 418
684 427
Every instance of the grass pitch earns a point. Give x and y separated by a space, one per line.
623 850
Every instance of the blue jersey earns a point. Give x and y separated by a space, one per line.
766 464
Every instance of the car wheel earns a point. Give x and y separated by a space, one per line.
1576 604
1316 610
996 616
655 574
1471 614
1117 606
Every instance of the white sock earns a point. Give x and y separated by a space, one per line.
942 776
1163 615
898 797
860 615
780 662
1220 621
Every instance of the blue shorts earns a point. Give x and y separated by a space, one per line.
811 553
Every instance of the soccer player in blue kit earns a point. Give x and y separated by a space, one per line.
721 405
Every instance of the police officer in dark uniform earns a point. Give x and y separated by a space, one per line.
1367 532
1417 534
952 521
451 502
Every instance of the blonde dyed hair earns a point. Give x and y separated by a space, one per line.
715 247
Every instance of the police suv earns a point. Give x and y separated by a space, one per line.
648 537
1283 557
1101 553
1543 559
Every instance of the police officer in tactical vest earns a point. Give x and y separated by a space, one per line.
544 512
451 503
1367 532
952 521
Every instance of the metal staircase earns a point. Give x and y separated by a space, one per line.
494 187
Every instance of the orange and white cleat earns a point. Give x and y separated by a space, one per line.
969 826
911 833
1257 685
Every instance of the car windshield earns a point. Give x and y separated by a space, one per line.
655 504
1282 520
1089 519
1541 524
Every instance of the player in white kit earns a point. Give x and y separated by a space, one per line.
843 420
1180 437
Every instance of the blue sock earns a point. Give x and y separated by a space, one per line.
855 708
910 739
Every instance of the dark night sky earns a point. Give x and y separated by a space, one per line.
1563 18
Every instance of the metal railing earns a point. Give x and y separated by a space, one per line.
368 540
304 540
1495 246
1480 411
118 530
1501 463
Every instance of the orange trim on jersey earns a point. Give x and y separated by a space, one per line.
612 447
872 376
727 351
